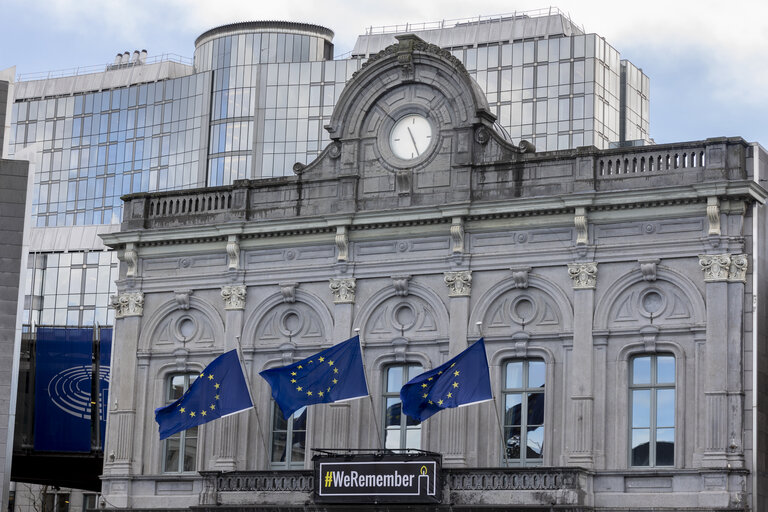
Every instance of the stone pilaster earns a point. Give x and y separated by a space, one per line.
724 275
580 449
453 426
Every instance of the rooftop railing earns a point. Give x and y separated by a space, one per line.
99 68
476 20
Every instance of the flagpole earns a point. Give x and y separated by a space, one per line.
370 396
240 359
501 432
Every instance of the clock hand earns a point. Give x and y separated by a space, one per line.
414 141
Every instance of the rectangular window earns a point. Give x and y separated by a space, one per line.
400 431
523 403
180 450
289 439
652 406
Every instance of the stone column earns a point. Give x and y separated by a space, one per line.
581 406
722 443
454 431
226 429
119 451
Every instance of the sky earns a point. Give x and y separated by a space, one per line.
707 60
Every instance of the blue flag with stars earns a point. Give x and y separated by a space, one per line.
219 390
460 381
334 374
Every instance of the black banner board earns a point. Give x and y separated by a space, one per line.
378 478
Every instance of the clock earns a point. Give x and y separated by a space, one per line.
410 137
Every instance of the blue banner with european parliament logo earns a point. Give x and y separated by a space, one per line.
105 356
63 383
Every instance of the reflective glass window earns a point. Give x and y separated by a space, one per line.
289 439
652 409
180 450
523 394
400 431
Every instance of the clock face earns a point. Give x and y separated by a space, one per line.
410 136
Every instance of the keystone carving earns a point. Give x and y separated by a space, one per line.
400 282
459 283
128 304
715 266
648 268
233 252
520 276
182 298
343 290
583 275
234 297
288 290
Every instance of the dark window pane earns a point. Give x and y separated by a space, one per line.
534 443
512 436
665 447
640 445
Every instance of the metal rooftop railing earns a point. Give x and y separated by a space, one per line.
476 20
99 68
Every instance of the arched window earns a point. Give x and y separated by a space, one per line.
289 439
180 450
523 411
652 410
400 431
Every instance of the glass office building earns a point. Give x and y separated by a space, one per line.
253 102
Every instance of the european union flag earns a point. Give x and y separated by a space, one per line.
462 380
334 374
220 390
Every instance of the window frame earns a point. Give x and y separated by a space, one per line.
409 371
653 386
524 391
289 431
185 435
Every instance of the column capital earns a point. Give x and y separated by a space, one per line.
715 266
234 297
128 304
459 283
343 290
583 275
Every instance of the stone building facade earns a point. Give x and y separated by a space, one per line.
617 291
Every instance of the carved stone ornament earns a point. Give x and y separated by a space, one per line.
520 276
342 243
583 275
233 252
713 215
648 268
288 290
738 270
400 282
482 135
580 221
131 258
182 298
459 283
334 150
715 266
128 304
457 235
234 296
343 290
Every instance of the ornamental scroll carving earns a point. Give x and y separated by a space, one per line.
343 290
580 222
342 243
715 266
400 282
131 259
234 297
128 304
459 283
233 252
583 275
457 235
713 215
